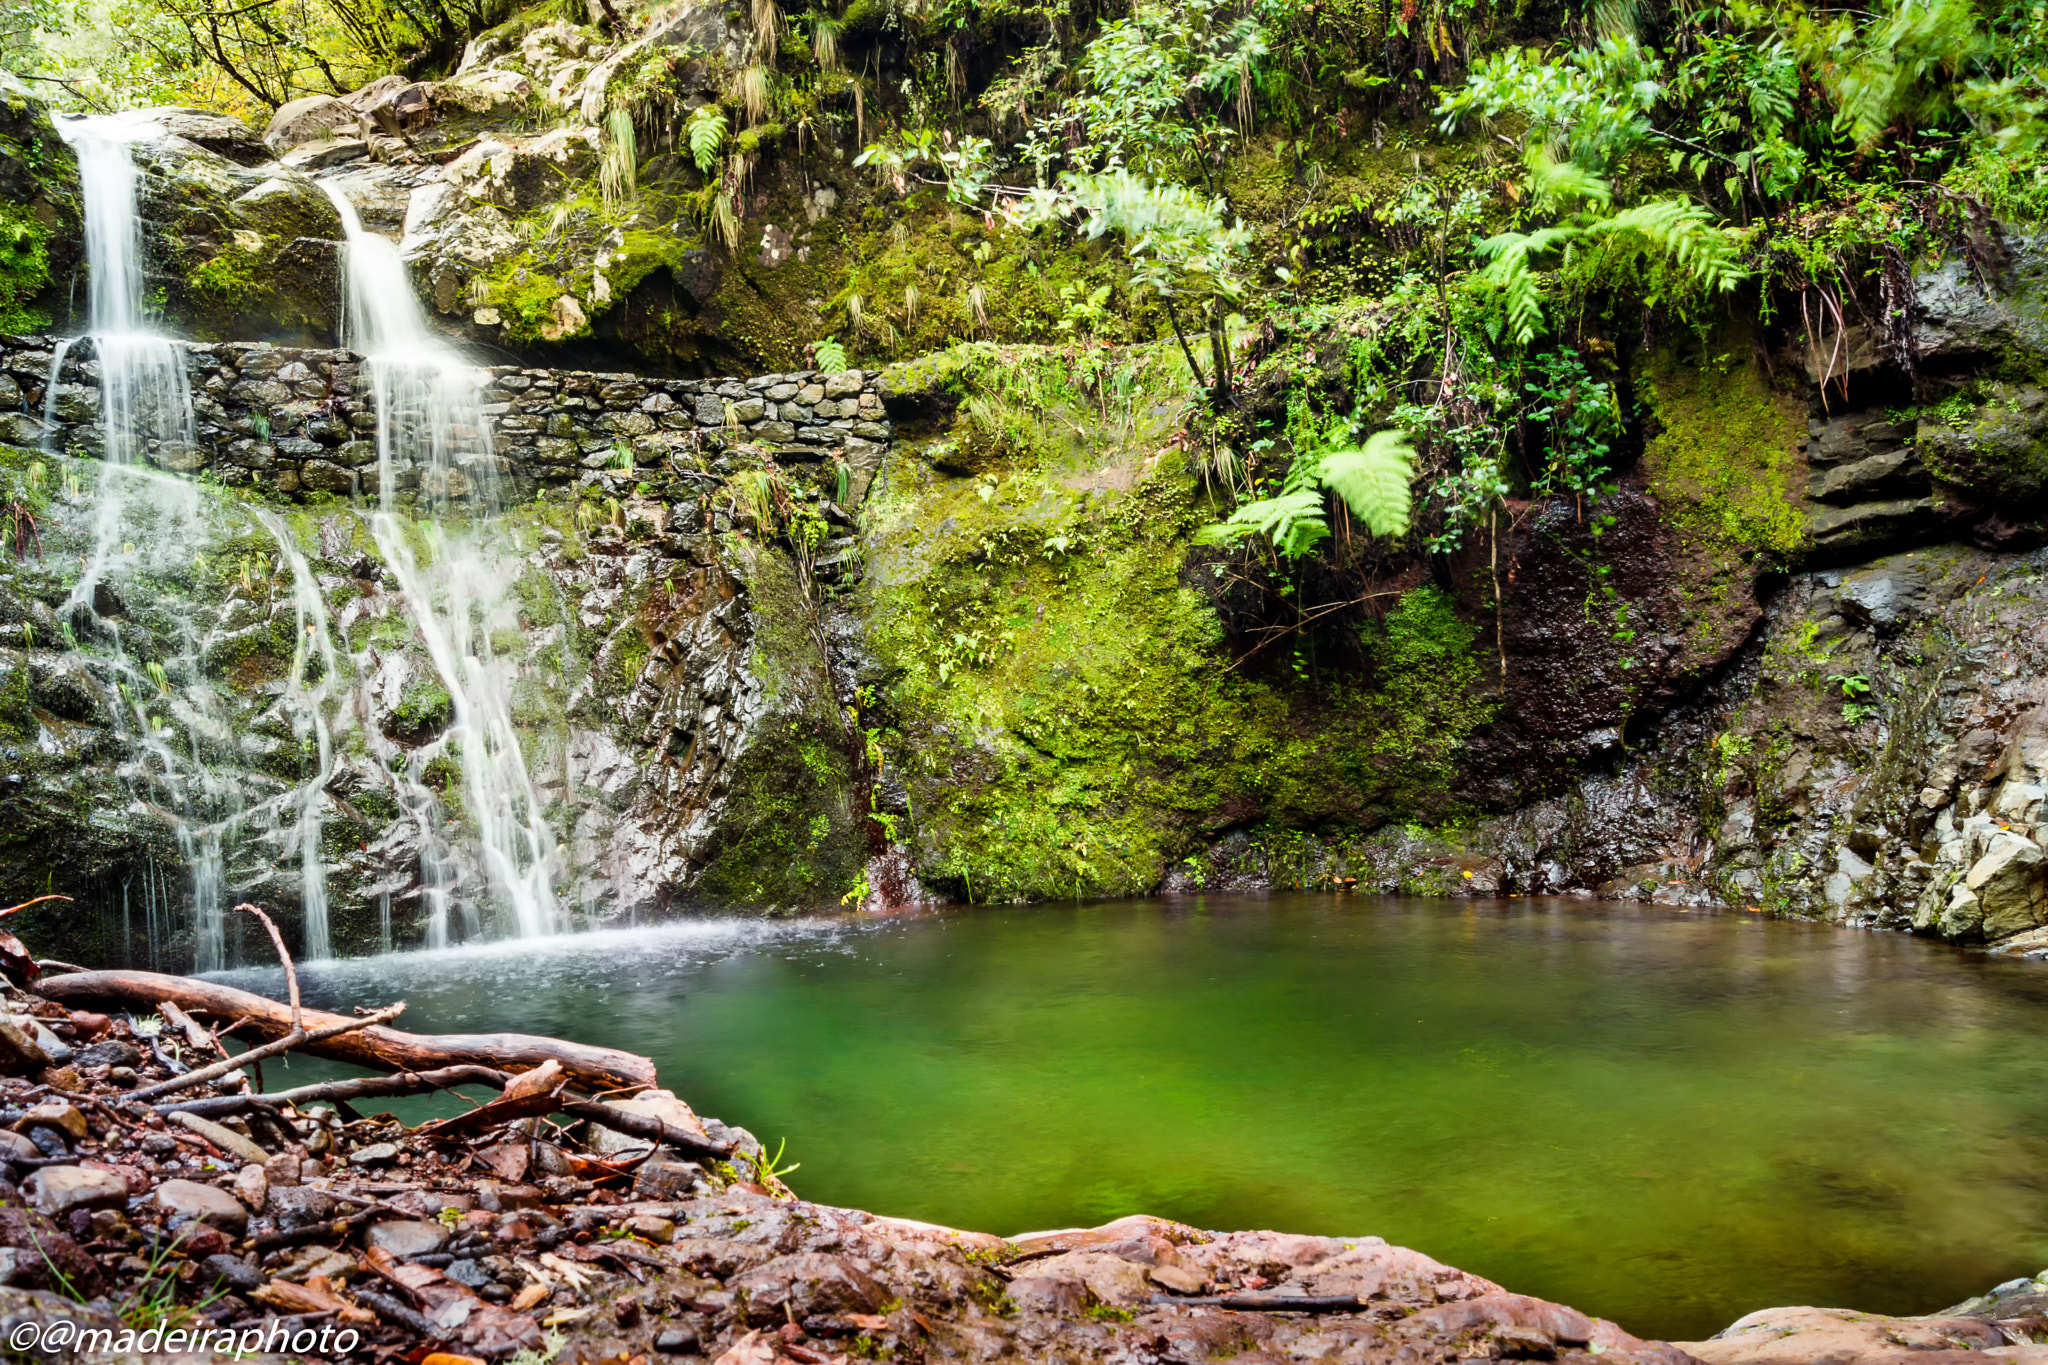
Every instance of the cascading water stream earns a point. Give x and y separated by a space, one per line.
314 650
145 395
145 409
431 432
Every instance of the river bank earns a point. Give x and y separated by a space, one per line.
302 1228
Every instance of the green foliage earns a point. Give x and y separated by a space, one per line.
706 134
1683 232
829 356
24 268
621 157
1591 108
1372 478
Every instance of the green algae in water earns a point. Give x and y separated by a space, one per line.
1667 1119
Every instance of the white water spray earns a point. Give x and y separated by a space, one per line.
145 410
313 652
431 433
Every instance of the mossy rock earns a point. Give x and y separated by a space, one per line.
1998 454
41 212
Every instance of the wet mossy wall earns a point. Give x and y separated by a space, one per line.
1065 713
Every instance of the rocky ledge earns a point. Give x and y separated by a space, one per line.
289 1227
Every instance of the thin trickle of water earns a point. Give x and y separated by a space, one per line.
431 433
314 650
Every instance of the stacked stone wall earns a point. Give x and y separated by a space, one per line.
299 422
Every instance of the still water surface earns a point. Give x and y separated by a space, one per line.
1668 1119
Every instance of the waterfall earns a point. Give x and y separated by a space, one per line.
314 649
145 395
145 410
432 436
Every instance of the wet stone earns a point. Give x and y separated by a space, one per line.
188 1201
58 1190
404 1238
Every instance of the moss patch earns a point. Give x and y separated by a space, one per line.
1063 713
1725 462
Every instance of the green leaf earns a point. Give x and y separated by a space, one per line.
1373 481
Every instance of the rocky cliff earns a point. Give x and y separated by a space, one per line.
963 643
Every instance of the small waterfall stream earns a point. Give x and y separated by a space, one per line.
314 670
143 518
432 435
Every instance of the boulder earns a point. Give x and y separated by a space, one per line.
304 120
809 1284
2010 884
1840 1336
188 1201
217 133
56 1190
653 1104
511 177
287 207
482 95
315 156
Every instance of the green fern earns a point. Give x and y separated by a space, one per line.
1509 271
830 356
1373 480
707 134
1685 232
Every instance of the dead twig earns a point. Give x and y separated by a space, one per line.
257 1054
291 976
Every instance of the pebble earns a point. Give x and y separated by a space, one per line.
405 1238
675 1341
57 1190
238 1273
186 1201
376 1154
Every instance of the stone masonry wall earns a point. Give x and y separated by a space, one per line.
299 422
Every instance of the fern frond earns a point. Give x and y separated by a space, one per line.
1563 182
1509 271
1688 234
1373 480
1293 521
707 134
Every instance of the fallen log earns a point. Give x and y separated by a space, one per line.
382 1049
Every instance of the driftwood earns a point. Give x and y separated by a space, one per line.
376 1047
297 1038
448 1078
341 1092
647 1128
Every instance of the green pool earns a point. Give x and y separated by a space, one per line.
1665 1118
